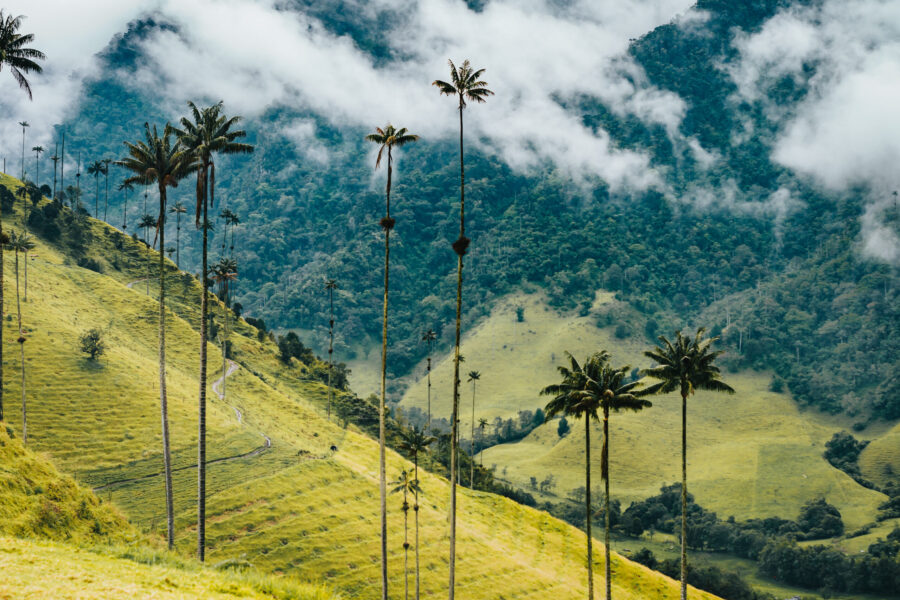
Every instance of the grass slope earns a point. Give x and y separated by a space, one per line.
750 455
296 507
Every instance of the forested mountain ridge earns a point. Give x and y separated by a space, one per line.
738 222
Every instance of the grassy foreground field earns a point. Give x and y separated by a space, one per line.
753 454
306 505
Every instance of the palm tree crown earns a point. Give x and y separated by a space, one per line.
389 137
209 133
685 365
21 60
465 83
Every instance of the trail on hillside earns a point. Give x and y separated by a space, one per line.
232 367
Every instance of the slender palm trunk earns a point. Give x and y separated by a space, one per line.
163 401
97 199
201 444
178 241
460 248
106 197
416 509
330 346
22 349
405 547
25 268
224 337
388 225
472 462
683 497
587 505
428 425
604 466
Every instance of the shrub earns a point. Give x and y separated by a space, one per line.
92 343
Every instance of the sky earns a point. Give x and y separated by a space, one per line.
845 132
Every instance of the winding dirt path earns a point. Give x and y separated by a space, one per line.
232 367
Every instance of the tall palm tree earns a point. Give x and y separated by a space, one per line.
161 160
474 376
387 138
414 441
429 337
21 242
125 187
407 486
232 219
55 158
23 124
13 53
568 401
330 286
226 216
106 162
224 272
96 169
685 364
179 209
38 150
210 133
482 423
466 85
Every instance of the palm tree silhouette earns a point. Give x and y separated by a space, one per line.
429 337
178 209
160 160
106 162
466 86
407 486
224 272
474 376
482 423
15 55
126 187
209 133
96 169
685 365
387 138
21 242
413 442
38 150
330 286
568 401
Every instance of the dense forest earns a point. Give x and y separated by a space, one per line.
784 283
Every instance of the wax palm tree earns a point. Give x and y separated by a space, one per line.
474 376
466 85
408 486
605 384
55 159
23 125
413 442
106 162
96 169
568 401
148 222
232 219
15 55
161 160
387 138
685 364
125 187
21 242
38 150
226 216
482 423
224 272
429 337
210 133
330 286
178 209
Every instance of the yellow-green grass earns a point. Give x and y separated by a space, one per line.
296 507
753 454
41 569
36 500
879 462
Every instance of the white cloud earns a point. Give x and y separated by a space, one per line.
535 55
846 131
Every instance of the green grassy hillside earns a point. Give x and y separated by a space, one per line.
290 505
750 455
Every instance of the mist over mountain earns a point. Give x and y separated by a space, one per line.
721 159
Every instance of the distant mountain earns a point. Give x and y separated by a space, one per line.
725 219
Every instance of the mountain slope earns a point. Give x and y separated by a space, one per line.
297 506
